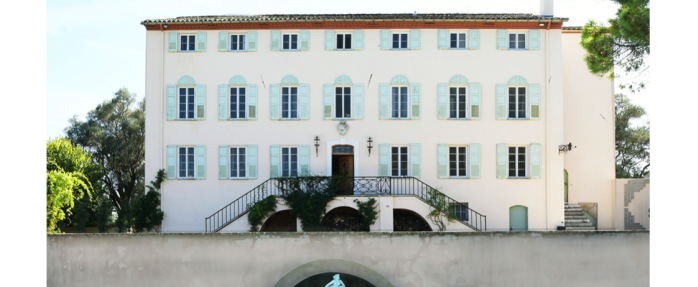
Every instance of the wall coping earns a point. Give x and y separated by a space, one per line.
380 234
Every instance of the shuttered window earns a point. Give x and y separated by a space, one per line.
458 103
237 102
400 40
517 102
187 42
289 161
344 41
342 102
289 102
458 40
238 162
456 161
186 162
517 41
237 42
399 158
517 162
186 103
399 102
289 42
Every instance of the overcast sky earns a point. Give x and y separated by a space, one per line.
96 47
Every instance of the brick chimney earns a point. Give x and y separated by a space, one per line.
546 8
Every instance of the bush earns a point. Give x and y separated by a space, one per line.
146 211
104 215
259 211
308 197
368 211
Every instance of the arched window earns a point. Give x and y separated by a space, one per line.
289 100
343 99
458 99
186 100
518 99
400 99
237 100
518 217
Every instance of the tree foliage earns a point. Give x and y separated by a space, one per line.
632 143
146 210
368 211
259 211
308 197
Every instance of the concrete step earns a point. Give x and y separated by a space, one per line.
574 213
573 205
580 224
580 228
574 217
576 221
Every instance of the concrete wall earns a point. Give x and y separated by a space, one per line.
633 196
400 259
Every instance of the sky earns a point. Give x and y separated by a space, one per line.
96 47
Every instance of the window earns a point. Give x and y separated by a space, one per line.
289 161
458 40
517 161
461 210
289 102
400 40
398 161
187 42
186 103
238 163
343 41
237 103
517 41
342 102
517 102
289 42
399 103
456 161
458 102
186 162
237 42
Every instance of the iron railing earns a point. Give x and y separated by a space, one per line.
362 186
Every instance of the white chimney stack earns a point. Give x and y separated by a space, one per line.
546 8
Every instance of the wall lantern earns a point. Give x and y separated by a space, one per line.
370 145
565 148
317 144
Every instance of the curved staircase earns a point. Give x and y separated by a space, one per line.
575 218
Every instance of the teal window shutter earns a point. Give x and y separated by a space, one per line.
201 161
304 101
200 101
415 39
251 41
172 42
385 39
201 41
443 39
358 40
274 160
442 101
474 160
274 101
222 162
534 39
502 157
327 101
501 39
416 101
501 101
304 159
252 102
223 41
535 160
275 35
416 159
383 101
329 39
535 101
384 160
171 102
442 160
358 101
252 161
474 40
305 40
475 101
222 102
171 161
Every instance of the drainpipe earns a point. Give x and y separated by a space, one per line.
547 123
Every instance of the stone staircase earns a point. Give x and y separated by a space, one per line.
575 218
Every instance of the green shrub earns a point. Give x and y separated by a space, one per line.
259 211
308 197
146 211
368 211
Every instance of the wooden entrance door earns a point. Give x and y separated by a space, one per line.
343 165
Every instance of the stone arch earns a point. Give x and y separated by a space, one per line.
459 79
401 217
309 269
237 80
517 80
289 80
399 79
281 221
186 80
518 217
350 219
343 80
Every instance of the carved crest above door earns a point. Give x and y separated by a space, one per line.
343 127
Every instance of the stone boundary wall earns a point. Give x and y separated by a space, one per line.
526 258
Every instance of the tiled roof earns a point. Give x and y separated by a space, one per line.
572 28
350 17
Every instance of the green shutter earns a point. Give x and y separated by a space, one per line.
251 41
535 160
172 42
534 39
416 101
305 40
474 160
358 101
358 40
274 101
385 39
502 39
201 101
501 101
252 161
222 162
442 101
304 102
475 91
222 102
171 102
443 39
384 160
442 160
252 102
304 159
502 156
535 102
416 159
201 41
274 160
171 161
415 39
327 101
329 39
201 161
474 40
383 101
223 41
275 35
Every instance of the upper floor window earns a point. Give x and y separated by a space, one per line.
237 42
458 105
186 103
186 162
400 40
187 42
289 102
458 40
399 160
342 102
517 102
517 41
237 102
289 41
343 41
238 162
456 161
289 161
517 162
399 96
